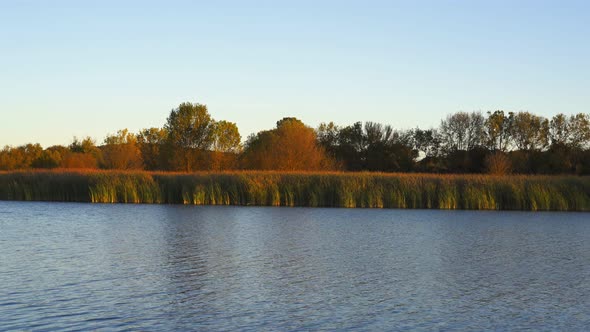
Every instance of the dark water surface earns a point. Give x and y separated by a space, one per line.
158 267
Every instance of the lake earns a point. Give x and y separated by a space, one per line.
68 266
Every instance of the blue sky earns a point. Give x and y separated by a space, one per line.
78 68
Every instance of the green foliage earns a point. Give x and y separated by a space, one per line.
191 133
50 158
190 126
86 145
190 130
226 137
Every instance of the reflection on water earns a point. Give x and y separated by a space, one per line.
139 267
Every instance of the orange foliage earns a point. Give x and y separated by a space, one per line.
122 156
292 146
220 161
79 160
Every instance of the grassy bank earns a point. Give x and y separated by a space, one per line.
476 192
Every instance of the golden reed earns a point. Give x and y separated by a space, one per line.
313 189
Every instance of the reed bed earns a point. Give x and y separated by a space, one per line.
329 189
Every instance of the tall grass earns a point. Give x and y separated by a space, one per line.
365 190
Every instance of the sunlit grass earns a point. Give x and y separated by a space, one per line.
325 189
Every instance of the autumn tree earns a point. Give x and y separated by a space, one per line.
51 157
121 151
226 145
497 127
559 130
291 146
190 132
226 137
21 157
82 154
529 131
151 145
579 130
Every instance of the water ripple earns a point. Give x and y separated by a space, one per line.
80 267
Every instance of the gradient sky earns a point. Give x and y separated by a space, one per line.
78 68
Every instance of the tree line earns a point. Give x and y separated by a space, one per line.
496 142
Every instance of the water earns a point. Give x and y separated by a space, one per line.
140 267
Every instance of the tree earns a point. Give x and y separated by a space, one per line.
86 145
427 142
21 157
121 151
559 130
226 145
579 130
226 137
462 131
388 150
291 146
190 131
51 157
352 147
372 146
529 132
82 154
151 145
476 131
497 127
327 134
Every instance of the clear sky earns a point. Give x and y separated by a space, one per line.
78 68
